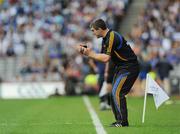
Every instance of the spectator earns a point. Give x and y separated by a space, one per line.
47 30
163 68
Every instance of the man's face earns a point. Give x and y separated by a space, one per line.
97 33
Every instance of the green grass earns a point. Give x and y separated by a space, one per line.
68 115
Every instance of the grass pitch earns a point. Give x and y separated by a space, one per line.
68 115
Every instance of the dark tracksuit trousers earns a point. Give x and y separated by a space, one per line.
123 81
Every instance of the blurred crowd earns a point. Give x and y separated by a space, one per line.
43 32
156 39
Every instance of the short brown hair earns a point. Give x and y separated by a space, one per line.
99 23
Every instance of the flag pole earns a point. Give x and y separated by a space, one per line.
145 97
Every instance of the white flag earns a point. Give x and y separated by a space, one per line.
159 94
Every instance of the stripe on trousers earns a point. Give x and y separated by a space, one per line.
119 83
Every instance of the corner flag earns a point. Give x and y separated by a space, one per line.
158 93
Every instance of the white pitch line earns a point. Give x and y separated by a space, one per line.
97 123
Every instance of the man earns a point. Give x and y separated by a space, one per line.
126 67
164 67
105 72
104 94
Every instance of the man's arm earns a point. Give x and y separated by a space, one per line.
93 65
106 71
91 54
98 56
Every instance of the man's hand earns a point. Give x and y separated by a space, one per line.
91 54
86 51
79 48
83 49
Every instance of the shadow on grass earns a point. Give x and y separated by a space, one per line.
155 125
147 125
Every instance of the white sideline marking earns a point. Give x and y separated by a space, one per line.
97 123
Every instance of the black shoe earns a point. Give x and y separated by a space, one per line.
116 124
125 124
119 124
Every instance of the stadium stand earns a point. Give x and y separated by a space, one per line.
155 38
36 37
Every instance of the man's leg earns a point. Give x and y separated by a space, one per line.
122 85
109 80
103 99
130 80
115 99
123 107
